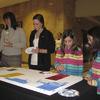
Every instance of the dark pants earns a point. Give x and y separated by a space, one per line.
10 61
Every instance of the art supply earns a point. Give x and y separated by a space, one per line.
68 92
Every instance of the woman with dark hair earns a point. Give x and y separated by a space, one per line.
13 22
93 76
13 39
69 57
43 42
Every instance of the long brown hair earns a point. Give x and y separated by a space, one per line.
71 34
95 33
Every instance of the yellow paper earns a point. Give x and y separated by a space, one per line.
11 75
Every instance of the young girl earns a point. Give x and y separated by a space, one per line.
93 76
69 57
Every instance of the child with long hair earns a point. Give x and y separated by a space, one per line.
93 76
69 57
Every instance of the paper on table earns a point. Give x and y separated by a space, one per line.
11 75
18 80
51 86
57 77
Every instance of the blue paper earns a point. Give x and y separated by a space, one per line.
50 86
18 80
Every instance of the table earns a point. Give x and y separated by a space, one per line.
12 92
45 82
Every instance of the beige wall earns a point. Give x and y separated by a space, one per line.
69 13
86 8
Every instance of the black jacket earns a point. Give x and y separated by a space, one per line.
46 41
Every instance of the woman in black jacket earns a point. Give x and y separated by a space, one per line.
44 44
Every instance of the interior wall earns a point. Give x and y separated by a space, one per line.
54 12
85 8
69 13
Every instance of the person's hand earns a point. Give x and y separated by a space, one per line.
60 68
89 80
8 44
86 78
36 50
42 51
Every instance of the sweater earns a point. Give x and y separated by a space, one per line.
16 37
72 61
94 72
